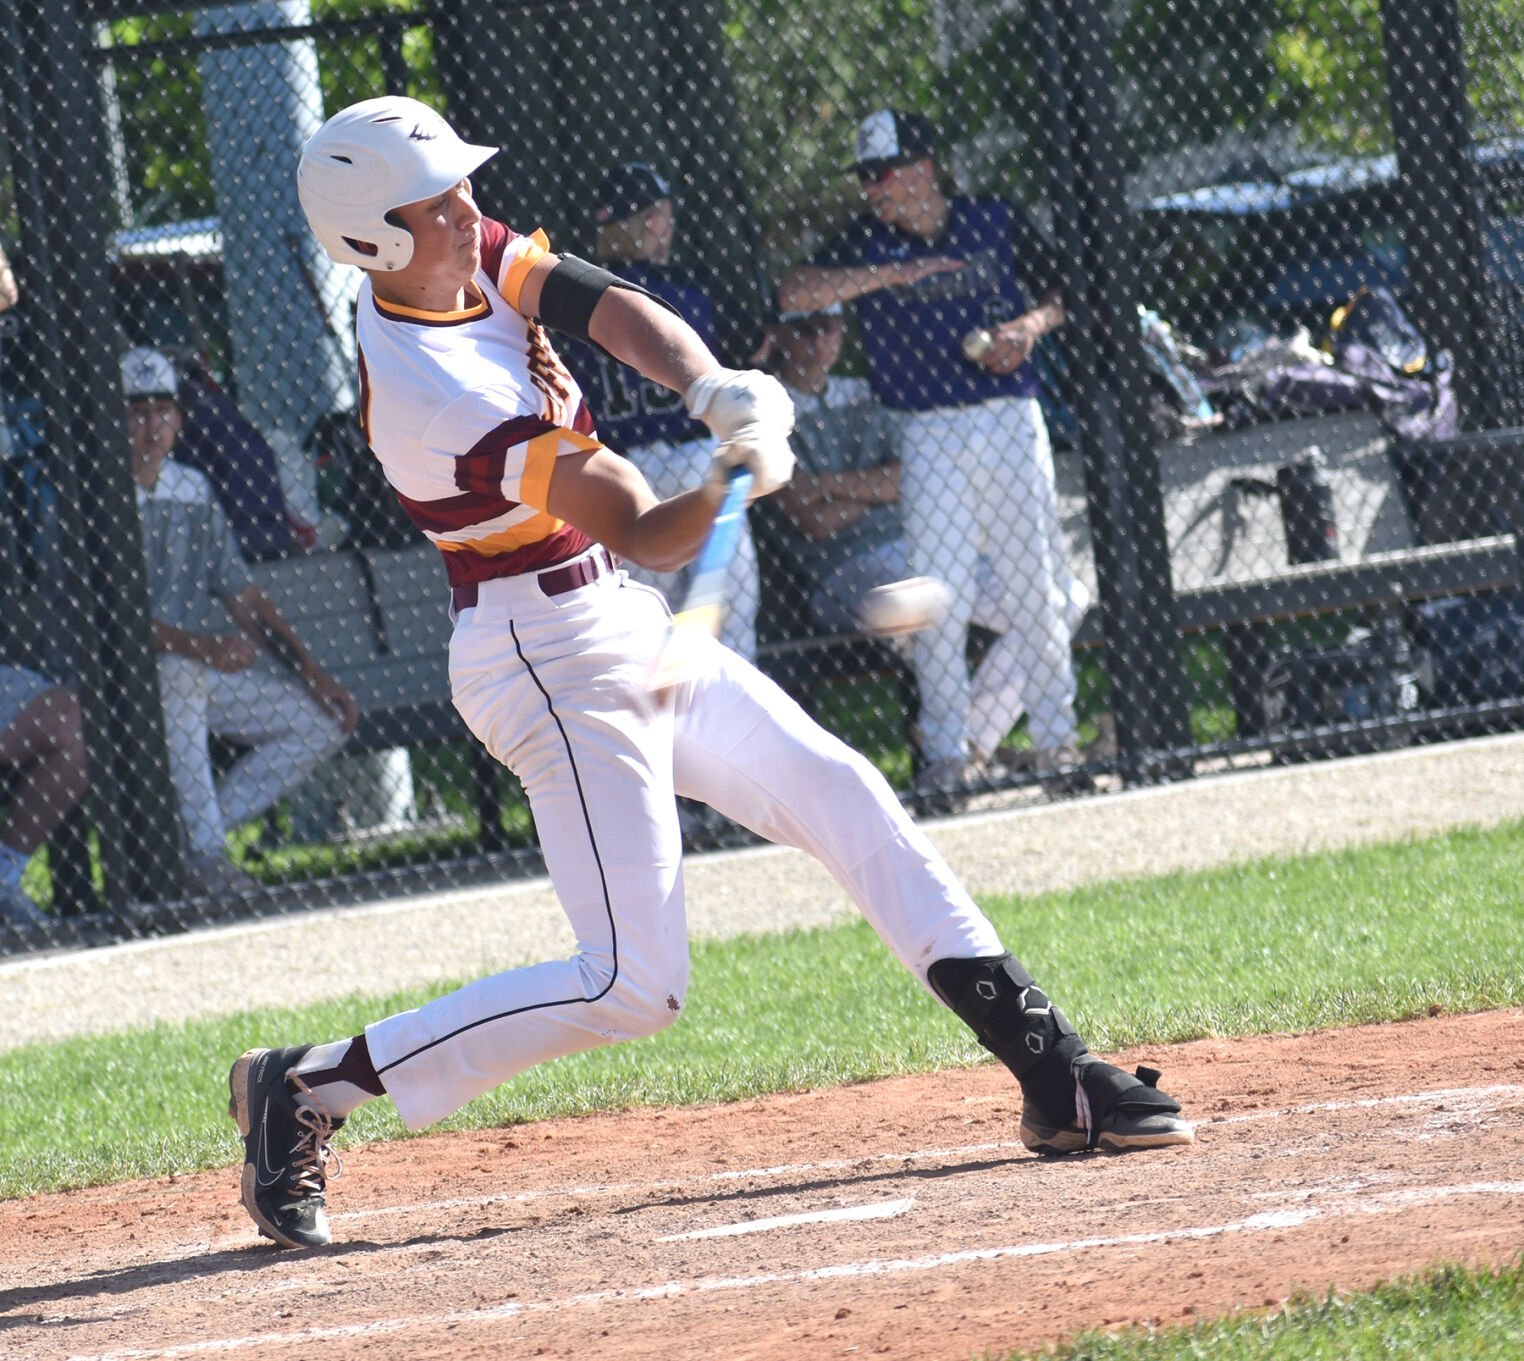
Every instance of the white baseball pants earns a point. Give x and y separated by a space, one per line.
557 690
981 512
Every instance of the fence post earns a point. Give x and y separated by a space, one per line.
1447 296
292 356
1095 232
52 99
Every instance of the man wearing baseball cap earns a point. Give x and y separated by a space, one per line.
951 295
629 191
636 224
836 525
208 678
888 140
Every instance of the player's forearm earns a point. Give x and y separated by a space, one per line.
606 497
1049 312
809 288
257 615
669 535
824 519
178 642
865 486
641 333
287 648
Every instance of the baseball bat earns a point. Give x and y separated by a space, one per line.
704 601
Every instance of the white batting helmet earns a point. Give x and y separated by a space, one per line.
370 158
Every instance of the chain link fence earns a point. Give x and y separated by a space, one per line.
1251 496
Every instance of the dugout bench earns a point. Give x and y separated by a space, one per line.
377 620
1414 523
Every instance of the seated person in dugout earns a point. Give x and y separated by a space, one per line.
837 523
488 441
209 681
42 743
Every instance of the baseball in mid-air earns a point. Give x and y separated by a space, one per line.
904 606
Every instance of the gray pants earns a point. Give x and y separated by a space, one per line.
288 731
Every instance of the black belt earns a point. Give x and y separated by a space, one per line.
553 581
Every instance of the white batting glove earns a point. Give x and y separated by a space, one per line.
751 416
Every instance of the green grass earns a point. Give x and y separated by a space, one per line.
1332 939
1445 1315
443 779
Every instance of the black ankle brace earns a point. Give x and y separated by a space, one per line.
1009 1014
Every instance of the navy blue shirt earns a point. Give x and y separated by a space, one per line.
628 409
913 334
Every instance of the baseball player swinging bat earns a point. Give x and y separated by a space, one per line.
704 602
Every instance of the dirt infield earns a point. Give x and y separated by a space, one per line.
896 1218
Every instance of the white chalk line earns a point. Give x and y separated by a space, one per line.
1391 1202
886 1209
1475 1097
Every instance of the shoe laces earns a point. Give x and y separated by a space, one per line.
312 1152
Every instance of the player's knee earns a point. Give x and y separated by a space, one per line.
183 681
634 1002
842 772
649 1013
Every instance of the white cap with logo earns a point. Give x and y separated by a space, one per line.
892 137
148 373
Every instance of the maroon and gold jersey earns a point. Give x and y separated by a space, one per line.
468 411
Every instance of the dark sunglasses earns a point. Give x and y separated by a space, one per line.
877 174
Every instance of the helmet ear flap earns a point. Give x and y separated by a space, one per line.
383 247
364 162
393 247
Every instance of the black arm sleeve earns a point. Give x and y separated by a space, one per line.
571 292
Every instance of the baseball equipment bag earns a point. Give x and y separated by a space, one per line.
1369 676
1474 646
